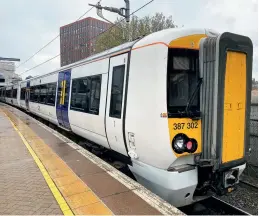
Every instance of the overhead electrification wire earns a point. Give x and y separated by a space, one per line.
89 39
53 39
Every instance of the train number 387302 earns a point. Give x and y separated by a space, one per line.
189 125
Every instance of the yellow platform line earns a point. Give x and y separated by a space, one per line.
80 198
59 198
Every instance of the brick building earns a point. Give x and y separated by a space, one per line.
76 41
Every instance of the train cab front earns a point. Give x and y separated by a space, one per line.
208 101
226 70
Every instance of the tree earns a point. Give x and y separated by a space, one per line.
123 32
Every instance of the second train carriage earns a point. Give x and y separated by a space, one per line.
174 103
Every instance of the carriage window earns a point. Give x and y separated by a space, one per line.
36 93
43 93
79 94
32 93
85 95
183 70
23 90
8 93
117 91
51 93
14 95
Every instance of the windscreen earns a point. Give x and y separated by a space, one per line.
182 79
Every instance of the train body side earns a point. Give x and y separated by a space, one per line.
89 125
44 110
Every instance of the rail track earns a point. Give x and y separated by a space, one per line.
212 206
248 185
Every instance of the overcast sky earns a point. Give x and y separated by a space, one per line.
27 25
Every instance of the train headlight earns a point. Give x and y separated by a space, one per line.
179 143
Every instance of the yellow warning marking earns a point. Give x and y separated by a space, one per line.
60 200
76 194
94 209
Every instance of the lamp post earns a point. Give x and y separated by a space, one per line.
125 12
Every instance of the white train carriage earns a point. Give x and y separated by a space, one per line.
11 93
42 94
164 102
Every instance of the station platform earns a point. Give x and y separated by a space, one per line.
44 172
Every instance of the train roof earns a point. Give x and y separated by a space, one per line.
168 35
122 47
165 36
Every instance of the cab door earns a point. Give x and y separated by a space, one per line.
115 103
62 103
234 107
226 68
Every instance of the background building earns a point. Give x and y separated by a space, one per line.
76 41
7 73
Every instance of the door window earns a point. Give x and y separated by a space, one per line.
95 94
117 91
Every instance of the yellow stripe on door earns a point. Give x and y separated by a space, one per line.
63 92
234 107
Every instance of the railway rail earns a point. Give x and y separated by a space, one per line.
248 185
212 206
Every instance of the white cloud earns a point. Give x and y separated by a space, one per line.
237 16
27 25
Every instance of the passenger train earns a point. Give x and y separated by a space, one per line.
174 104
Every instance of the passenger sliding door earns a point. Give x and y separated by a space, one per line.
115 103
62 103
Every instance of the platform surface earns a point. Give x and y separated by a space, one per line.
43 172
23 190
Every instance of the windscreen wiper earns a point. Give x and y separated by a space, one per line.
191 99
